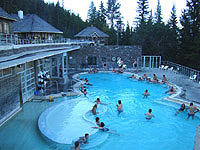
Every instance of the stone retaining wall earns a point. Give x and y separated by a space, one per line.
100 54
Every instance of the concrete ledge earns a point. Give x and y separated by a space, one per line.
10 115
197 137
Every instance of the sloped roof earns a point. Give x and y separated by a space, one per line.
32 23
5 15
90 31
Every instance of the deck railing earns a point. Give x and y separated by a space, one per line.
189 72
11 39
156 62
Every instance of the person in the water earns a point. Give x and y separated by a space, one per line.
149 115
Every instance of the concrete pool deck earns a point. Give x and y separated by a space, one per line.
190 89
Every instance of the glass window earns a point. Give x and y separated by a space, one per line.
6 71
29 65
6 28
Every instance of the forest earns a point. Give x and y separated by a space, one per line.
174 41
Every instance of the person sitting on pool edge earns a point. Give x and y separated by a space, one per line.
149 115
164 80
155 79
180 109
94 110
119 107
103 128
146 94
192 111
84 140
144 77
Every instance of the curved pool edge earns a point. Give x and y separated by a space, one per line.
171 98
43 128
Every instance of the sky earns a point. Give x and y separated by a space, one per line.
128 7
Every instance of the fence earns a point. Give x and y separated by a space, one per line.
189 72
151 61
7 39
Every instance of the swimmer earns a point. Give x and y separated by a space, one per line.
84 140
76 145
149 79
171 90
144 77
85 92
181 109
94 110
97 121
99 102
139 79
114 70
119 107
149 115
132 76
192 110
146 94
103 128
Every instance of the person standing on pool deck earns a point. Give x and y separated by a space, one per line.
135 65
119 107
149 115
192 110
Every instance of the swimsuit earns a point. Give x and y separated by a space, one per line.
105 129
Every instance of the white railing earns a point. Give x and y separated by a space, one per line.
151 61
7 39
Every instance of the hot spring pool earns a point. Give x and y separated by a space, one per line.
164 132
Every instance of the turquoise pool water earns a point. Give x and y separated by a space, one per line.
164 132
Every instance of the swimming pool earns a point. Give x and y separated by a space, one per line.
165 131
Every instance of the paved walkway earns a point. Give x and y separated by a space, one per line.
191 89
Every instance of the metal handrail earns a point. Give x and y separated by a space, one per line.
13 39
189 72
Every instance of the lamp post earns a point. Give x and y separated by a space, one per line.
119 22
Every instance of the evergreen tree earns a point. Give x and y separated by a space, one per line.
112 11
92 14
173 19
189 51
142 9
158 15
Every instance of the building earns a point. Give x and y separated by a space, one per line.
93 34
6 27
32 27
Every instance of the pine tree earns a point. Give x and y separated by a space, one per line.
142 9
92 14
158 15
173 19
112 11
